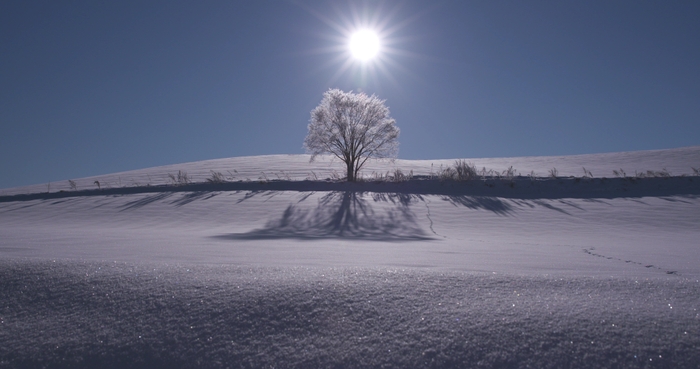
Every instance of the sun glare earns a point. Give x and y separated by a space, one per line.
365 41
364 45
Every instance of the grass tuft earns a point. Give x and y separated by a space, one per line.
464 170
181 179
619 173
461 170
216 177
398 176
587 173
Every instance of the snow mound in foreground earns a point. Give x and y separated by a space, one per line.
116 315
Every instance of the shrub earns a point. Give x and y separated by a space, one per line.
335 176
464 171
399 176
509 173
663 173
181 179
216 177
532 175
283 175
587 173
485 173
445 174
312 176
461 170
619 173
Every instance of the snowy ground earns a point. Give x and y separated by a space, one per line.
280 268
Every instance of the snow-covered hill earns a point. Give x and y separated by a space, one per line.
279 262
677 162
268 214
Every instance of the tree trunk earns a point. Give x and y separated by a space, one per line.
351 171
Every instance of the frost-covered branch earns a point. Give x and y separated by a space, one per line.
352 127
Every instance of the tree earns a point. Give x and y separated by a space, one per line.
354 128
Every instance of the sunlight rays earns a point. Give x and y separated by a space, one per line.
364 43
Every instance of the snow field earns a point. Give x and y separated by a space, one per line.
79 314
290 273
618 236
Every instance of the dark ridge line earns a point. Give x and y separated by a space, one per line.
516 188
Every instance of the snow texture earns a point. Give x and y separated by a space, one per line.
279 267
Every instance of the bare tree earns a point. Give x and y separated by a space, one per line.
354 128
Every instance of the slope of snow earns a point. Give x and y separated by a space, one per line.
297 167
285 272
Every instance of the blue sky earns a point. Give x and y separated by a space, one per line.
89 87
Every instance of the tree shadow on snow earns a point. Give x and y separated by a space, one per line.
492 204
139 203
194 196
344 215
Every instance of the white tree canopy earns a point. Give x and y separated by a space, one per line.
353 127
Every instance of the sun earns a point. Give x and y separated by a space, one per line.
364 45
366 42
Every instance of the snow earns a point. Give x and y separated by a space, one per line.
282 268
297 167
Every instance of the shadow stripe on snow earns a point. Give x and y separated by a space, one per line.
518 187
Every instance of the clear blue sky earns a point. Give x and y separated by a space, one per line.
94 87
